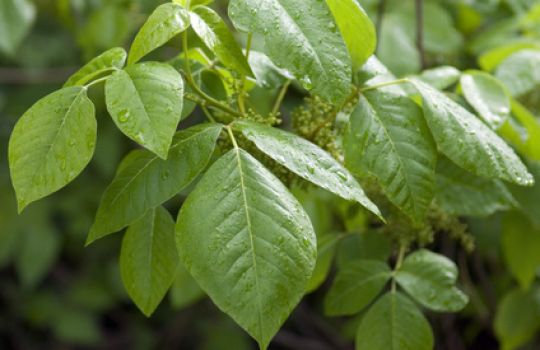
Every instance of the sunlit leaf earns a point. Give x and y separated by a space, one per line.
107 62
216 35
164 23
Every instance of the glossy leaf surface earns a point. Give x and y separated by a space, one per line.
145 101
218 38
389 139
302 37
356 29
253 250
164 23
306 160
144 181
469 143
487 96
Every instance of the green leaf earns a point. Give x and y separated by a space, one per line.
184 290
520 72
461 193
440 77
394 323
398 151
487 96
430 279
268 75
148 259
355 286
326 248
527 197
144 181
16 18
368 245
167 21
192 3
145 101
490 59
520 246
396 48
300 36
306 160
356 29
518 318
253 250
215 34
527 144
467 141
108 61
51 144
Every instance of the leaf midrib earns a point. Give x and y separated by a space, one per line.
310 45
403 169
252 243
151 256
55 138
361 283
141 102
152 160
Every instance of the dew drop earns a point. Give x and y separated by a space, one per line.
123 116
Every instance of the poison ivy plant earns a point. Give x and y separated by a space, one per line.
266 243
396 164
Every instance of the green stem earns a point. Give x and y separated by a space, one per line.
241 92
399 261
97 81
208 114
381 85
189 79
231 135
280 97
